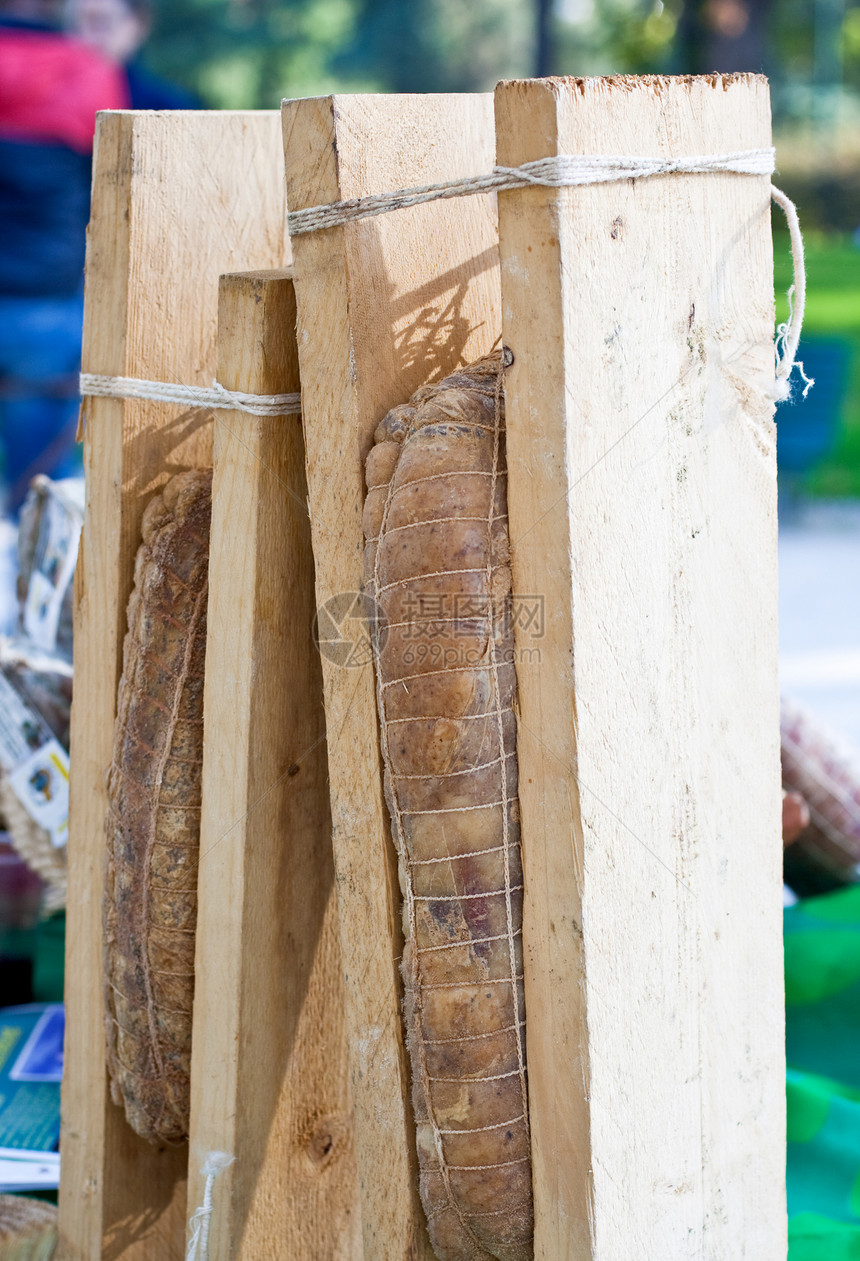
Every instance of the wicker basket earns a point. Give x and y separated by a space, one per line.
34 846
28 1229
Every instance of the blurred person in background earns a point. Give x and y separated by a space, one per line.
50 88
118 29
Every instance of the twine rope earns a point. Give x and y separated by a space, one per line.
573 171
201 1218
102 385
505 360
561 171
788 333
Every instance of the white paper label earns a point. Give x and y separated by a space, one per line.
22 730
41 784
49 583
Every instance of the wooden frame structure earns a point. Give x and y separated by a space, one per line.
642 500
642 488
403 300
268 1073
179 198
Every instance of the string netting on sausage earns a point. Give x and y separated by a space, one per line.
503 800
128 940
147 887
497 413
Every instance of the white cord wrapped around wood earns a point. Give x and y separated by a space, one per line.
575 170
102 385
562 171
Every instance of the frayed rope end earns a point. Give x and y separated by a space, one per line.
782 392
215 1162
788 334
198 1244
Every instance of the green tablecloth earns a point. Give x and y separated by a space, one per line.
822 999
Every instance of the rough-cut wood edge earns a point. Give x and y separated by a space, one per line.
636 82
97 1142
177 197
383 306
269 1071
682 1154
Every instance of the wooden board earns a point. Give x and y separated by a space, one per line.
269 1079
178 198
384 305
642 496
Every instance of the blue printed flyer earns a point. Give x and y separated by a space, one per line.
31 1068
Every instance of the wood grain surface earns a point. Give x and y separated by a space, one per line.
642 498
269 1077
178 197
384 306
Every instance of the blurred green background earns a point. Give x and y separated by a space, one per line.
245 53
832 319
250 53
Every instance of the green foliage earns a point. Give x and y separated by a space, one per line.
850 47
615 36
793 39
245 54
851 36
440 45
832 308
251 53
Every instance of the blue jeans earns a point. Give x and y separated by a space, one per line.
40 356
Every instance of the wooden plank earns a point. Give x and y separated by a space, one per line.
384 305
178 197
269 1078
642 496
